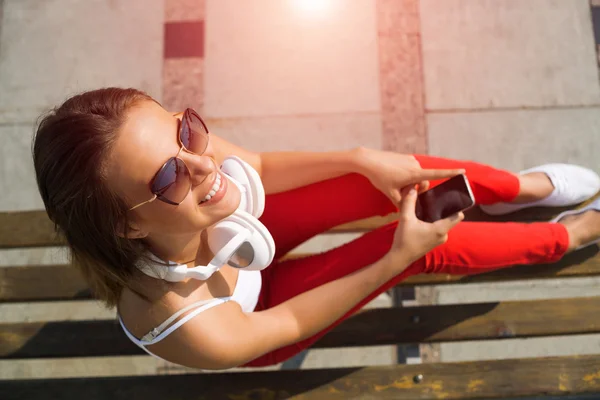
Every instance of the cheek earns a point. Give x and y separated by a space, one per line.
188 217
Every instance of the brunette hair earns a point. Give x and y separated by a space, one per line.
70 149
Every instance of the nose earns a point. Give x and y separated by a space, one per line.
200 166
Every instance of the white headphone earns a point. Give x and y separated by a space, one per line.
240 240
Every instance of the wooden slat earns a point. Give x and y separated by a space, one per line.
535 214
424 324
32 283
42 283
34 228
498 379
27 229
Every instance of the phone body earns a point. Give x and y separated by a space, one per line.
450 197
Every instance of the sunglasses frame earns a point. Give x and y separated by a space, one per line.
184 119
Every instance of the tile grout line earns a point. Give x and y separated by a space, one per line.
183 73
511 109
595 5
1 23
422 76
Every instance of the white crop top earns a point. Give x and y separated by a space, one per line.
245 293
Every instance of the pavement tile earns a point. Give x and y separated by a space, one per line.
184 10
280 59
184 39
516 140
52 49
328 132
507 54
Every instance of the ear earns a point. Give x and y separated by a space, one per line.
178 114
133 231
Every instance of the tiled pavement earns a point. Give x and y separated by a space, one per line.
507 82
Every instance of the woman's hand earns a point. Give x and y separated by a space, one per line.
390 172
414 238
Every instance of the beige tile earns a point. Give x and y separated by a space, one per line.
404 132
18 187
54 48
183 84
310 133
504 53
184 10
280 59
516 140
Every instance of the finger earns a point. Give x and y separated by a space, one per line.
423 186
395 196
448 223
409 202
431 174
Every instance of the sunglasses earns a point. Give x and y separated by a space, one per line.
172 182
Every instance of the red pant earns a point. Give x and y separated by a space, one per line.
472 247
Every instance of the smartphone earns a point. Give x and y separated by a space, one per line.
450 197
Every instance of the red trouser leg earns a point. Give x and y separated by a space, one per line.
472 248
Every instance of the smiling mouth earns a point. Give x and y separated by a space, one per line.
218 184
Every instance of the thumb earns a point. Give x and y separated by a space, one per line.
409 202
448 223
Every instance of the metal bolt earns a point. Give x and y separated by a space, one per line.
415 319
505 331
418 378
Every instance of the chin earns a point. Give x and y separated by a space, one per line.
224 208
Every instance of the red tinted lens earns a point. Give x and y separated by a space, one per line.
172 183
193 134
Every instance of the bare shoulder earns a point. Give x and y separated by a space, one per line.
202 342
220 337
194 343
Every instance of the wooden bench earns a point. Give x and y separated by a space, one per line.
566 375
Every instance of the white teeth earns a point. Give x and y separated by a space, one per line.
214 189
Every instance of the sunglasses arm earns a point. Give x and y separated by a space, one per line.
141 204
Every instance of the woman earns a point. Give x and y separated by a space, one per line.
136 191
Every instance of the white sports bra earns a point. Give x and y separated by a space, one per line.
245 293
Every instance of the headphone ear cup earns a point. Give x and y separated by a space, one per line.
257 250
249 182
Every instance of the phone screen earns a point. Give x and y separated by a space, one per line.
446 199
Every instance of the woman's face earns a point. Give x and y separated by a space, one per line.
147 139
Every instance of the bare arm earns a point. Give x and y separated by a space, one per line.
281 171
225 337
286 170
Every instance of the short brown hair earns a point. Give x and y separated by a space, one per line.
70 149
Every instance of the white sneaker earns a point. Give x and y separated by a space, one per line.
572 185
594 205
